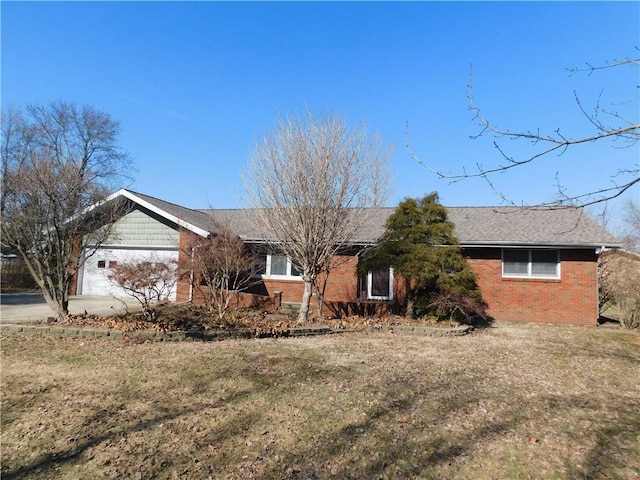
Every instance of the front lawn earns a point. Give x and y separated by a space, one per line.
509 401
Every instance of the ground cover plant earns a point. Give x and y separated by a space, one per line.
509 401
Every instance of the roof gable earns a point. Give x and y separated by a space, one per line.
193 220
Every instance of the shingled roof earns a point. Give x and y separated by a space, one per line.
474 226
529 226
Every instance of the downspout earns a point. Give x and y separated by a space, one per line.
191 276
80 273
599 251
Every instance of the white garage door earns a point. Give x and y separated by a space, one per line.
94 279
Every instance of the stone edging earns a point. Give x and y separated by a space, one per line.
68 331
177 336
433 331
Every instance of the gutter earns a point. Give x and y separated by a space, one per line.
550 245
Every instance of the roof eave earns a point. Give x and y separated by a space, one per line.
563 245
264 241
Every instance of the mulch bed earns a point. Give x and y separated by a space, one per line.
189 317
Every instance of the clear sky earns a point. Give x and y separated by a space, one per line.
194 84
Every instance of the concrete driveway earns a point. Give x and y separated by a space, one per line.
25 307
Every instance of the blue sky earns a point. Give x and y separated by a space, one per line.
194 84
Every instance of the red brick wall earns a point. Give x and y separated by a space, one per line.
183 286
341 284
573 299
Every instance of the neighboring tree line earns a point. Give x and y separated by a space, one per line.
619 272
14 276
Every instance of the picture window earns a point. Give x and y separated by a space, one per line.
376 285
273 265
526 263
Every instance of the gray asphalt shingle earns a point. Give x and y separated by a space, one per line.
478 226
525 226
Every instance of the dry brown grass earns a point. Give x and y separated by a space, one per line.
510 401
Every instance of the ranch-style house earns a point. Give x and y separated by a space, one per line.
533 264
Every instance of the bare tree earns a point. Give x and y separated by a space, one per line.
312 182
149 281
58 160
619 285
631 230
606 124
224 266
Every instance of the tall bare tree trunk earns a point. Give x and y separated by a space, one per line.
306 301
58 163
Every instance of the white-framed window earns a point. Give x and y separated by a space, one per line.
376 285
105 263
525 263
271 265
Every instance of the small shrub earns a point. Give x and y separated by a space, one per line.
458 306
149 282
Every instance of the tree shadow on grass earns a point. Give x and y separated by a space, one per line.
354 449
48 462
375 448
51 460
481 322
615 453
114 424
604 321
389 440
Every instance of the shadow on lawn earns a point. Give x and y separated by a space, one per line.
110 420
48 463
481 322
605 455
374 448
377 448
388 441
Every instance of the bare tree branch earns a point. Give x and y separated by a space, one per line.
224 266
613 63
557 143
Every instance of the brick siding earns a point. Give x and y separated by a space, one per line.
572 299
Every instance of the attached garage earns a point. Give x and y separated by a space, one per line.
148 232
95 272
